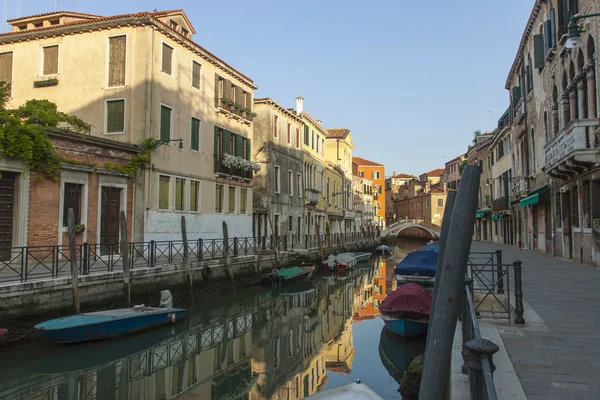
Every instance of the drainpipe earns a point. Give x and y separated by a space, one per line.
552 213
149 120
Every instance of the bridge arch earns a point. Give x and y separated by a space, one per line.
394 229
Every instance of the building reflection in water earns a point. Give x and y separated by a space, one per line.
262 346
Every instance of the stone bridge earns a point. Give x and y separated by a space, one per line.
394 229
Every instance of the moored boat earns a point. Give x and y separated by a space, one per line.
383 249
417 266
406 310
362 257
107 324
340 261
356 390
2 331
289 275
432 246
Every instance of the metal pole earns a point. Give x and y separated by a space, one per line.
499 271
450 287
518 293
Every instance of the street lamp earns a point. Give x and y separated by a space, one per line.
574 39
158 143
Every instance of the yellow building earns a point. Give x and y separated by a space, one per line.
338 151
334 197
138 76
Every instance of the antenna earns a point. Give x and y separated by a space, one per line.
5 16
56 5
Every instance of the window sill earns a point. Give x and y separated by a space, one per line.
196 151
115 87
114 133
169 75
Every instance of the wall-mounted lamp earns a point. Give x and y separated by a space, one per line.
158 143
574 39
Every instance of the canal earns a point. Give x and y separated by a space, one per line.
257 344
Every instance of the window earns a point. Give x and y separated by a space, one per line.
231 200
312 141
361 174
427 203
243 200
165 122
164 184
219 198
317 149
115 116
233 92
72 199
376 175
290 183
322 146
194 195
185 32
173 25
195 134
575 206
220 87
6 67
38 25
440 202
289 133
179 193
196 68
298 137
299 225
275 127
167 59
306 136
290 220
50 66
298 184
277 179
117 56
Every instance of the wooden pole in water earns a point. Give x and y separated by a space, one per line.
276 246
73 257
320 241
125 259
226 253
328 232
186 256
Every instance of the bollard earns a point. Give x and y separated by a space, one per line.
478 349
518 293
152 251
500 278
467 325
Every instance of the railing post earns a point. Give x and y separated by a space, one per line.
152 254
85 260
272 246
235 246
285 243
200 251
467 328
499 265
478 349
518 293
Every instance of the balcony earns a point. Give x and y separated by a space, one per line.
569 153
311 196
349 214
520 188
520 110
500 204
234 110
220 169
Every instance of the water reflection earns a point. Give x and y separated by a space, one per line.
259 344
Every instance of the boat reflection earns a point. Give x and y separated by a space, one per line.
396 352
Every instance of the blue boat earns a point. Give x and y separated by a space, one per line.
107 324
405 327
383 248
431 247
417 266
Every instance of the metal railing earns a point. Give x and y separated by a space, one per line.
23 264
477 352
311 242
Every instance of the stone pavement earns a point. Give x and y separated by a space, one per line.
562 360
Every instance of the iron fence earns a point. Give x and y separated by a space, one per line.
311 242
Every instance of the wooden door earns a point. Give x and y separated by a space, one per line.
109 218
7 193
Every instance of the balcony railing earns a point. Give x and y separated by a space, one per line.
500 204
519 110
311 196
236 172
349 214
568 142
234 110
520 188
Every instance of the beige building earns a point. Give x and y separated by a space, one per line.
138 76
392 186
338 151
451 174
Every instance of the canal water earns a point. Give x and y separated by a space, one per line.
257 344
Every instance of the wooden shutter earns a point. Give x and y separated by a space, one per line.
6 62
165 123
116 60
306 135
115 116
249 101
546 36
217 79
226 142
216 153
238 145
227 89
195 134
167 59
516 95
552 29
196 67
51 60
248 149
538 51
239 96
563 17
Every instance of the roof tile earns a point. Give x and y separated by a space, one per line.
365 163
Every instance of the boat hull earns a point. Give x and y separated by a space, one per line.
269 279
112 328
405 327
362 257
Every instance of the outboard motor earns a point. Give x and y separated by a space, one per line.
166 299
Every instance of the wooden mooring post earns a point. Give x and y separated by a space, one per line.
328 233
276 239
227 257
73 259
186 256
125 260
319 241
450 288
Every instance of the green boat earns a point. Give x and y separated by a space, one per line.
286 276
362 257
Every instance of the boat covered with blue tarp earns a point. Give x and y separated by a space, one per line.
431 247
417 266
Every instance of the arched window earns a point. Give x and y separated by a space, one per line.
581 105
546 127
566 114
533 163
555 117
572 74
591 78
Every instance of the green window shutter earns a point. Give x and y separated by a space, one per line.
516 94
226 142
238 145
552 40
195 134
538 51
216 154
165 123
546 31
248 149
306 135
563 17
115 116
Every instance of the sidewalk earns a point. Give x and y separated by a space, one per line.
562 361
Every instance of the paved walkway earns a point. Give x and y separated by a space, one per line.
562 361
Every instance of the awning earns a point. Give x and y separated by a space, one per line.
534 197
482 213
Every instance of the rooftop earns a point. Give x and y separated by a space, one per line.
435 172
337 133
404 176
365 163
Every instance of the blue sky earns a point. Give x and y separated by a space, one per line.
411 82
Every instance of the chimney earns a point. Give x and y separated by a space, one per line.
320 122
394 173
445 187
427 186
299 104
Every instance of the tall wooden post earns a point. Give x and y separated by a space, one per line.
276 246
328 232
125 260
226 253
73 257
320 241
186 256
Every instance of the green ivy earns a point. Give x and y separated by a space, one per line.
138 162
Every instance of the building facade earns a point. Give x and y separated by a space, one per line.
392 186
151 81
278 189
375 172
452 174
338 151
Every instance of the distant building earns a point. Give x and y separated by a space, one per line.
375 171
392 185
451 174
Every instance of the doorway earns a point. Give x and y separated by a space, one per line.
7 195
109 219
